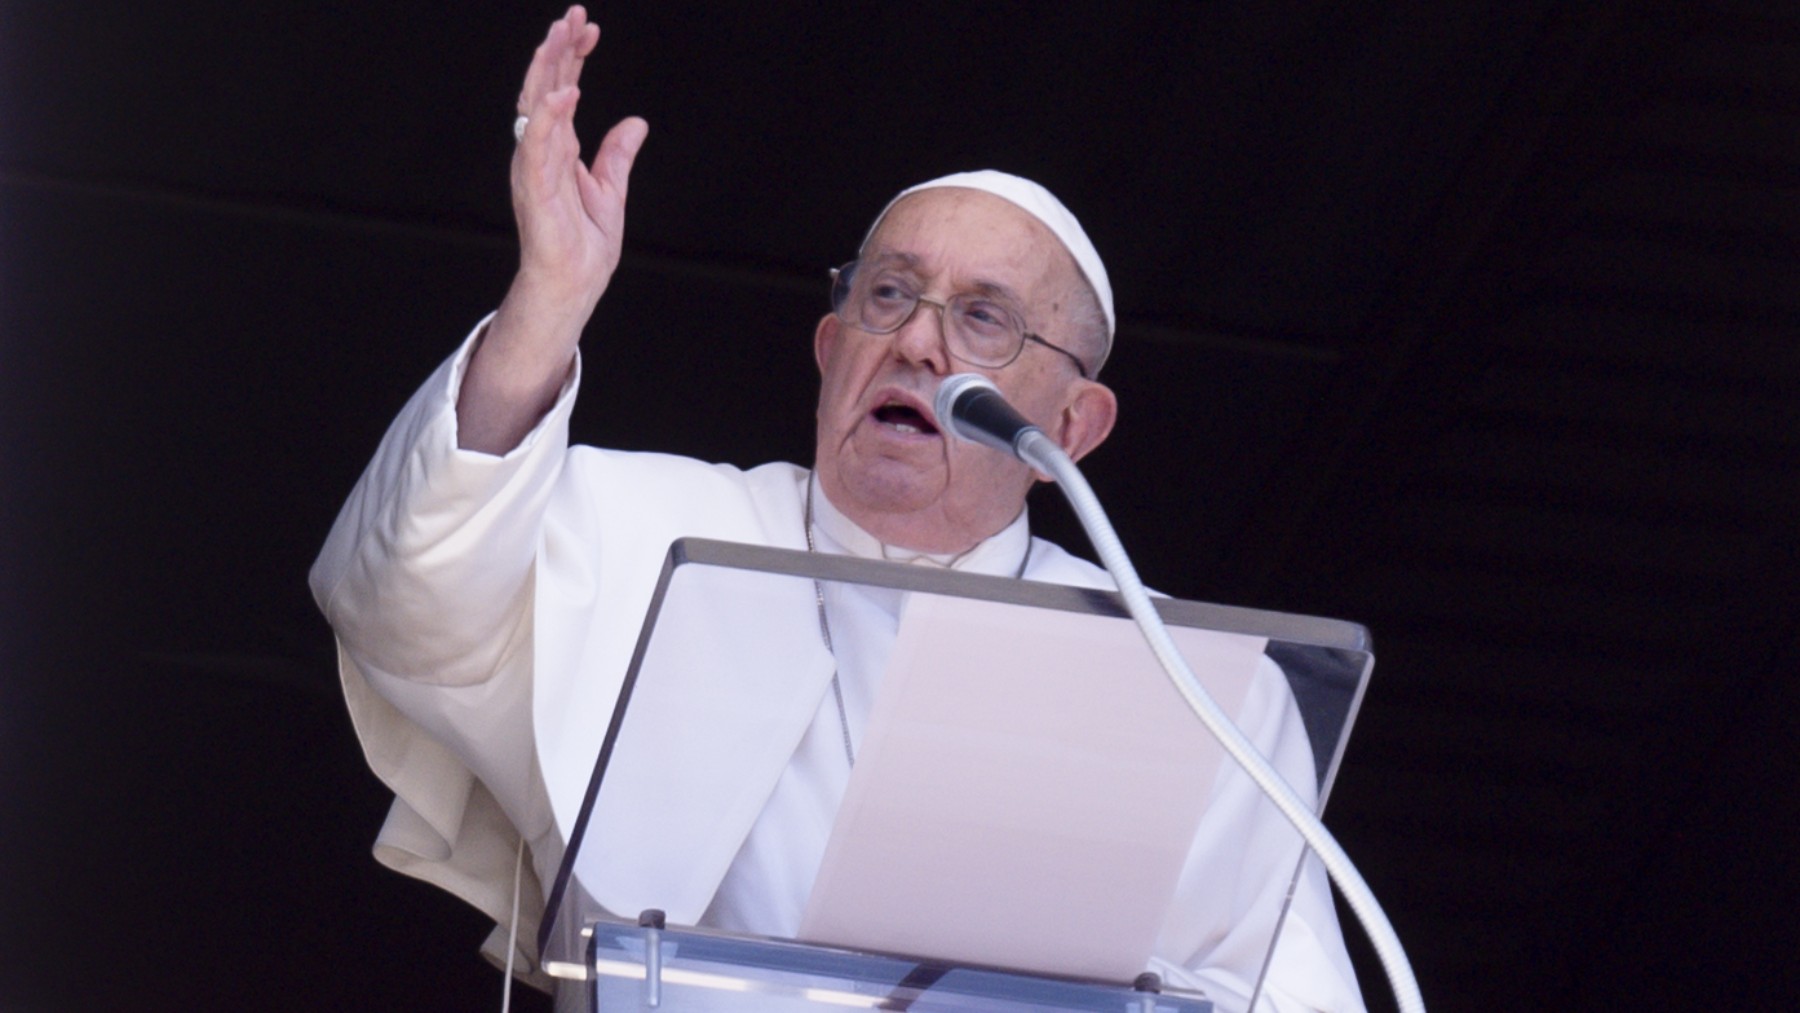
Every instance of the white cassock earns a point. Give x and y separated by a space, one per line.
486 609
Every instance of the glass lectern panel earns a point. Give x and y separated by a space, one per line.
698 970
1025 794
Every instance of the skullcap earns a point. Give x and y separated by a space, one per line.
1041 204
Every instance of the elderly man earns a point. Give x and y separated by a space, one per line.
486 580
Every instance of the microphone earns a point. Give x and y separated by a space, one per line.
970 406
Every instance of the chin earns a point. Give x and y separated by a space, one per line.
891 495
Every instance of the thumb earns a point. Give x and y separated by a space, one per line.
618 150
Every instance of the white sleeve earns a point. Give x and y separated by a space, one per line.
426 573
427 579
1230 893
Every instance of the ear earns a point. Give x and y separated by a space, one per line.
825 339
1087 418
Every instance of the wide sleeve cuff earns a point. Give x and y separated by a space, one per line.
456 369
427 569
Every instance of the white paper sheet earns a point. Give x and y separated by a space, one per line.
1027 791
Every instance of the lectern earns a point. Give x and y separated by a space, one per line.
907 915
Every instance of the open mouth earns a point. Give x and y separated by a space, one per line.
904 418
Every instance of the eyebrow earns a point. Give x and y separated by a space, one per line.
910 261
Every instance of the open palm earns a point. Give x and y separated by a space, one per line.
571 216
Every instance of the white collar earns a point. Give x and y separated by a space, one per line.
1002 555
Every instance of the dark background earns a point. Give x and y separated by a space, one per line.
1474 322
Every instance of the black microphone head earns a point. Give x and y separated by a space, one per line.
954 388
971 407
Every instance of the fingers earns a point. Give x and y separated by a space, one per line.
557 62
538 76
582 38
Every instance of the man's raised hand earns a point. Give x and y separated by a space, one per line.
571 221
571 216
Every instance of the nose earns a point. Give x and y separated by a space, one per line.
921 339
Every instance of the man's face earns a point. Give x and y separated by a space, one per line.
881 457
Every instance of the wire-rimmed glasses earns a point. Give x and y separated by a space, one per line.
980 328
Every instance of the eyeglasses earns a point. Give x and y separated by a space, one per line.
978 328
